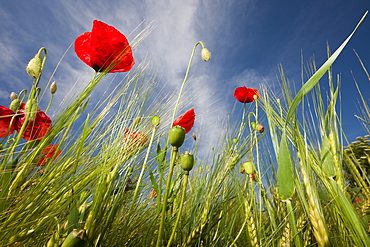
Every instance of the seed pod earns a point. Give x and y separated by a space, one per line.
187 161
177 136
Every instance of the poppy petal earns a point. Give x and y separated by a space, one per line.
5 118
104 48
245 95
186 120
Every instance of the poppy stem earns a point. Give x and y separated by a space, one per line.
185 79
185 183
165 198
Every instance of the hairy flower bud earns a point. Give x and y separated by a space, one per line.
177 136
53 87
31 109
187 161
34 67
14 105
206 55
13 96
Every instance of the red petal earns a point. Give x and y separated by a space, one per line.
186 120
104 48
35 129
5 118
245 95
48 153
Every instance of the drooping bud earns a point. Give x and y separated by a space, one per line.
206 55
34 67
257 127
14 105
156 121
53 87
177 136
13 96
187 161
249 167
31 109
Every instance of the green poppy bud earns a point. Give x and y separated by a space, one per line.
31 109
249 167
187 161
206 55
14 105
13 96
34 67
177 136
156 120
53 87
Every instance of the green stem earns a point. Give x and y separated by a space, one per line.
180 210
185 79
293 224
165 198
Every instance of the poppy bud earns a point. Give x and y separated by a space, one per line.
177 136
156 120
13 96
249 167
187 161
235 140
34 67
53 87
206 55
257 127
14 105
31 109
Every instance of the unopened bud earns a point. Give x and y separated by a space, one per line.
13 96
31 109
34 67
53 87
156 121
14 105
206 55
177 136
249 167
187 161
257 127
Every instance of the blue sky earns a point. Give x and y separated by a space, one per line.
248 40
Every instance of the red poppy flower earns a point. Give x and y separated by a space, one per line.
5 118
186 120
245 94
48 153
104 49
134 138
35 129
